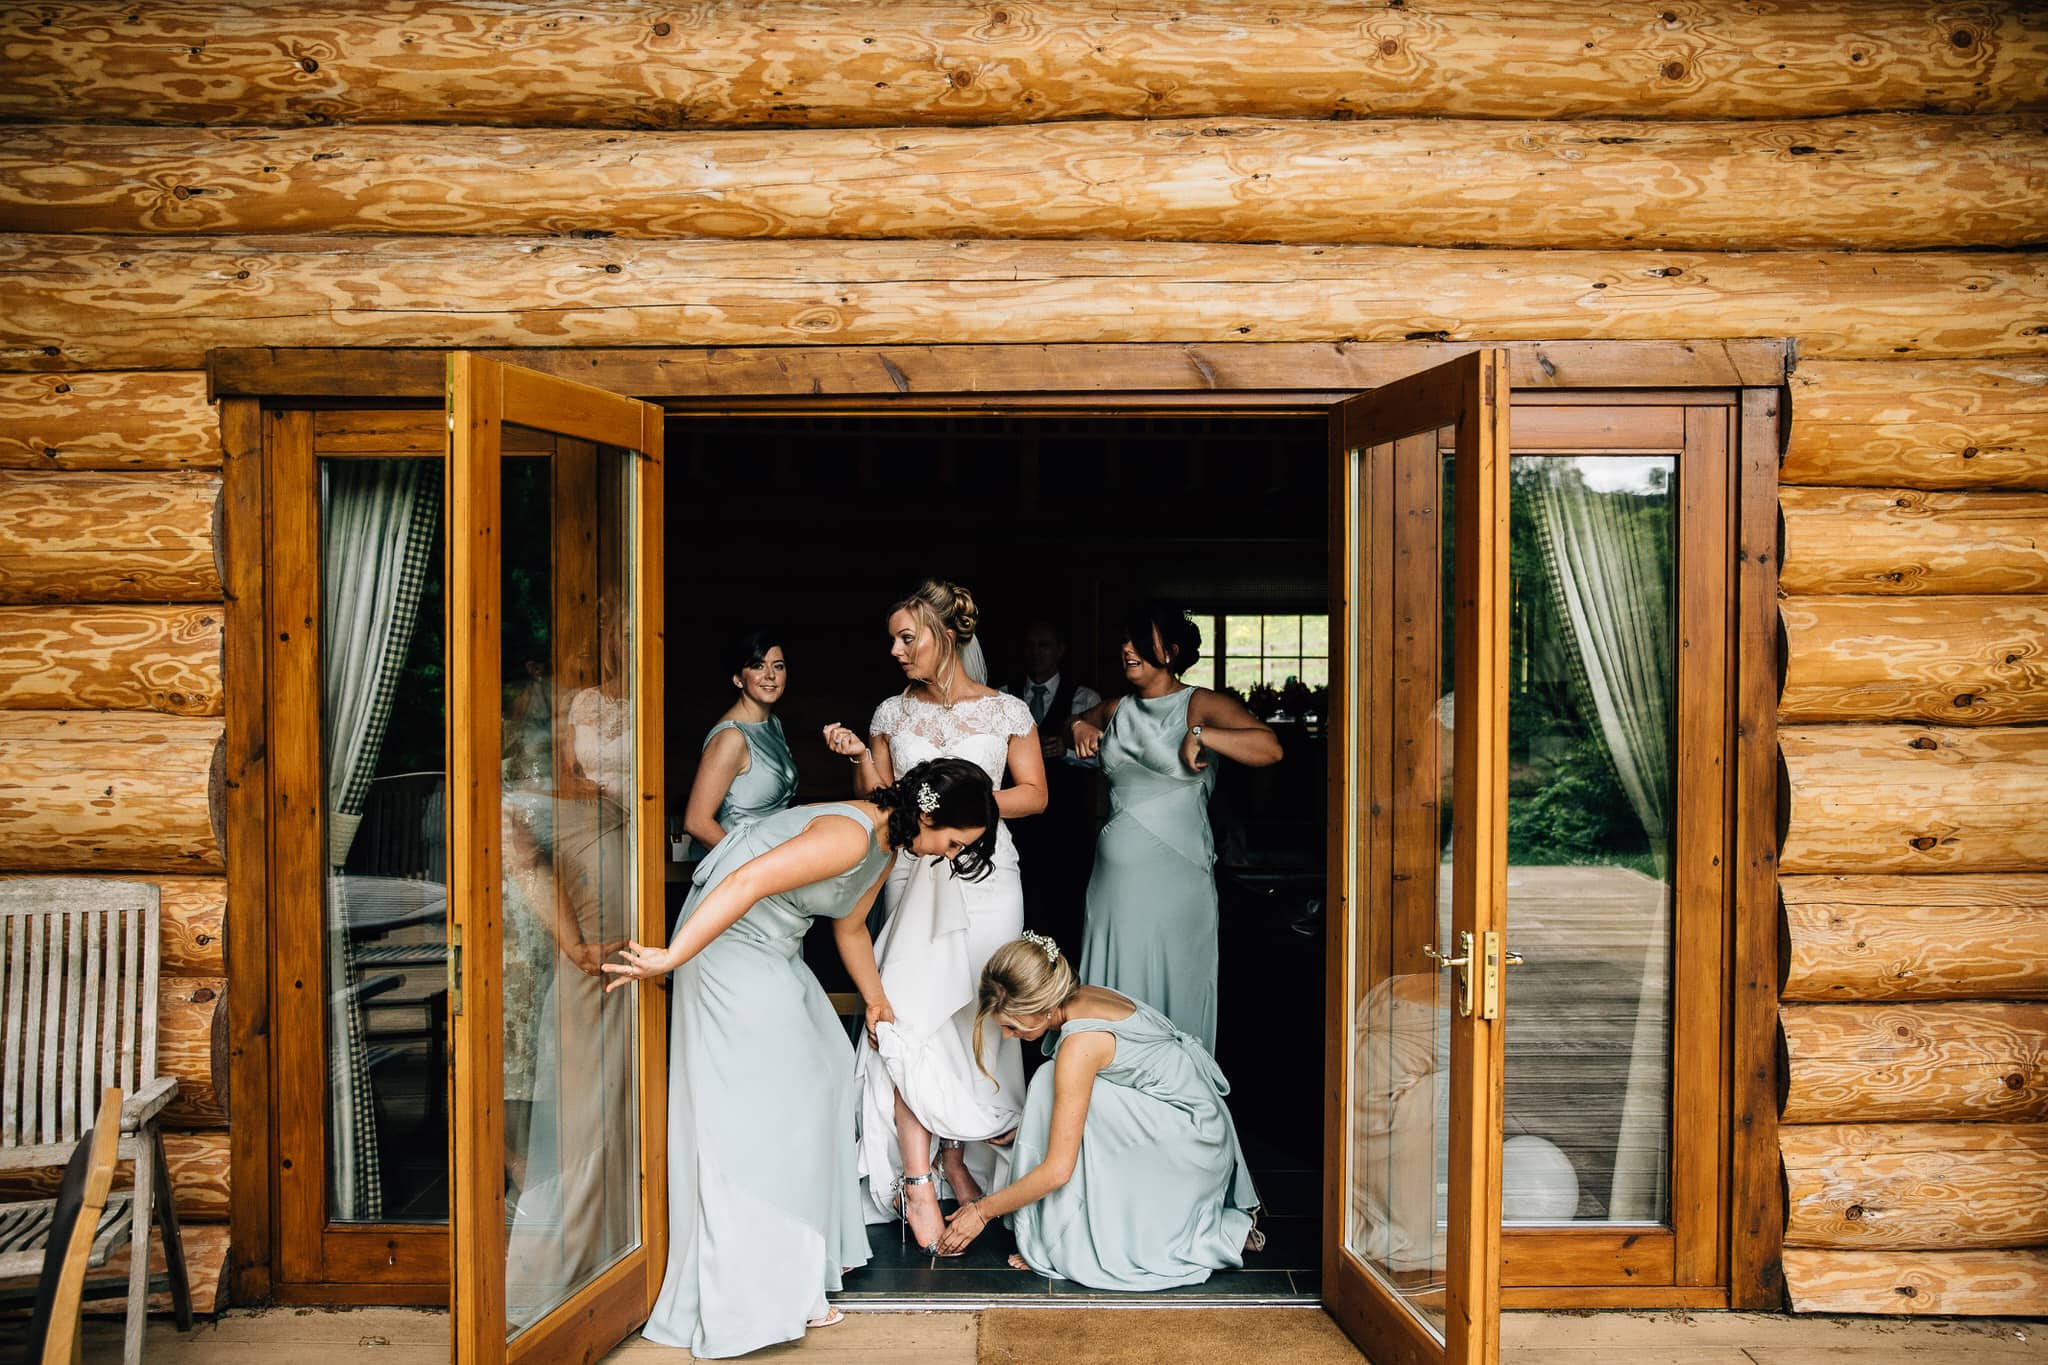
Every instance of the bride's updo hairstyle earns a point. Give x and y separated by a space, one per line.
1025 976
961 798
1181 636
950 613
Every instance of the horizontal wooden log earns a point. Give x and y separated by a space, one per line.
206 1258
101 302
1908 798
1905 1186
191 914
107 792
1851 938
1980 1060
1946 660
1904 540
1919 1283
198 1163
1919 424
1064 374
189 1013
113 658
130 421
621 63
1398 182
101 537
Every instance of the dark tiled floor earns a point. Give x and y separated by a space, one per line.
1285 1269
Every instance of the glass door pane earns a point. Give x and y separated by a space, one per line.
1418 654
1592 745
558 1089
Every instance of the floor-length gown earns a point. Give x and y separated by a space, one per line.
1160 1195
1151 931
578 1179
764 1204
941 931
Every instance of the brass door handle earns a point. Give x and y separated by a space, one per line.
1462 963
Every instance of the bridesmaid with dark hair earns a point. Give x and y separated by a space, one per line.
746 770
765 1211
1151 918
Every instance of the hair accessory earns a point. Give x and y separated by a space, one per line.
927 799
1044 944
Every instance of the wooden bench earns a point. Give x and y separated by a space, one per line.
78 1014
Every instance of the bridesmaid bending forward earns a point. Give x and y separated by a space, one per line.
764 1205
1133 1178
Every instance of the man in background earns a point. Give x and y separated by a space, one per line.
1056 849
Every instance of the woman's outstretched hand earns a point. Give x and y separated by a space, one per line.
879 1013
640 964
963 1225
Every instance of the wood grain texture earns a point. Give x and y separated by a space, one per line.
189 1012
1929 1283
111 658
206 1255
1915 1186
107 421
1944 660
1975 1060
1398 182
101 537
1920 424
103 302
107 792
1915 938
968 372
198 1164
627 64
1907 541
1908 798
191 914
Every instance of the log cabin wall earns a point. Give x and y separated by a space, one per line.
1866 177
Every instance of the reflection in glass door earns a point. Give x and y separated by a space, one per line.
1419 952
558 1092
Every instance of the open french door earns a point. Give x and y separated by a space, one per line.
1418 864
558 1090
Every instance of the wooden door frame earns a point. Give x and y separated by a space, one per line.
1109 380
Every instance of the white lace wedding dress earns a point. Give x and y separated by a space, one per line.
940 933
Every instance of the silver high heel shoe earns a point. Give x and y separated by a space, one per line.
902 1195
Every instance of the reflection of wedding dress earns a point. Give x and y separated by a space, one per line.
940 933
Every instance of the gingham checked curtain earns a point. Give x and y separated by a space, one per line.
377 541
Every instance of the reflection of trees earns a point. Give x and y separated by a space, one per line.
1566 803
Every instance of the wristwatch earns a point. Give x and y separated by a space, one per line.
1196 731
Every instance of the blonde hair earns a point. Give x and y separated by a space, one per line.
1024 976
948 611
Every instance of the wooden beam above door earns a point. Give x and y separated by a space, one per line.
1287 374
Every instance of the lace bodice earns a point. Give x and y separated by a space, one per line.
979 731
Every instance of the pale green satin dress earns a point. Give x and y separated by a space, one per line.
764 1203
1160 1195
1151 929
770 779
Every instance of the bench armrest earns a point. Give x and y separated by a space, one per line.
146 1103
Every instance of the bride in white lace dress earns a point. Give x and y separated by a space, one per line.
919 1084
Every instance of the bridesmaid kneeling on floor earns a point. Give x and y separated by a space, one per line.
764 1202
1133 1178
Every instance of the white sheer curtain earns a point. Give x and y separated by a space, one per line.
1611 584
377 540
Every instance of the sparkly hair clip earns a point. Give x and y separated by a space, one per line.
927 799
1043 944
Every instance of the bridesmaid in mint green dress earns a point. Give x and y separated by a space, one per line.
764 1203
1132 1174
746 770
1151 918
